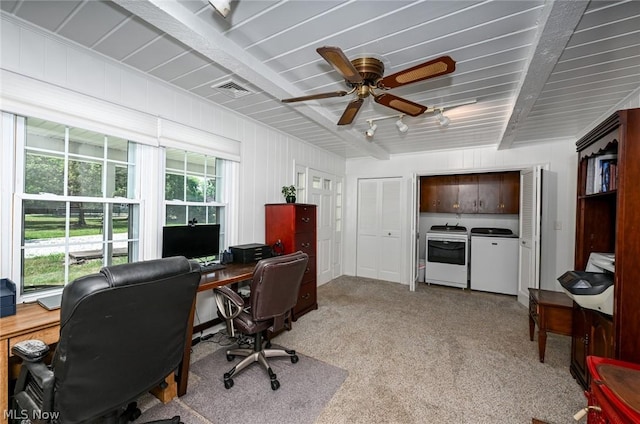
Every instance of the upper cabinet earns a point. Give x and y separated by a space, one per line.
499 192
492 193
439 194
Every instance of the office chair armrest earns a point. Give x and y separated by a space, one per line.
234 304
30 350
34 369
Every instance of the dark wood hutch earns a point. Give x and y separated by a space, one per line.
608 220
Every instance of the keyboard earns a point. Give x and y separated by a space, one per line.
211 267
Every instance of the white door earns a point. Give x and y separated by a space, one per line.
526 251
379 229
537 236
322 188
414 219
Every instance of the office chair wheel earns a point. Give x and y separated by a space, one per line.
229 383
231 357
294 359
275 384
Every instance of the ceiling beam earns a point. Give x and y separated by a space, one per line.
557 22
180 23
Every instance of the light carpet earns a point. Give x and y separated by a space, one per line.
305 388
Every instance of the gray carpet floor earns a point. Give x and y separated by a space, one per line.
436 355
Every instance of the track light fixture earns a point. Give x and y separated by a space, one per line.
402 127
372 129
442 120
223 7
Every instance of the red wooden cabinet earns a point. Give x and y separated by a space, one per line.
614 394
294 226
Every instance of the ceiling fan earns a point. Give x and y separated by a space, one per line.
364 76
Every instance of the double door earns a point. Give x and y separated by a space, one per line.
379 251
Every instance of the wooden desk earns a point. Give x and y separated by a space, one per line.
552 311
31 321
233 273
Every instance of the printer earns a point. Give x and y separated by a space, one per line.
593 287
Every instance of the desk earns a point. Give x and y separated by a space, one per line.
552 311
32 321
233 273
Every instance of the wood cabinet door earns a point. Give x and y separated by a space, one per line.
447 189
489 193
601 341
467 193
428 194
581 324
510 192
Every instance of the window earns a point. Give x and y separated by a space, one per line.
193 189
77 203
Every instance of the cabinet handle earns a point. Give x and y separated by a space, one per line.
305 244
306 220
481 203
306 296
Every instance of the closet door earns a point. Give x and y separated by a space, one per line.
379 225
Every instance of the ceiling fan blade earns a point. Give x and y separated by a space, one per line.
336 58
315 96
350 112
401 105
433 68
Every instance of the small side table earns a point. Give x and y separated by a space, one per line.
552 312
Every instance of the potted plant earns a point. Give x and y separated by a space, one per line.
289 193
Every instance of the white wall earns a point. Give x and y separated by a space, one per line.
561 157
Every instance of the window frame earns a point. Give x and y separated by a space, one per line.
19 197
221 186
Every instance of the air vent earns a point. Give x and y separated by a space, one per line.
232 89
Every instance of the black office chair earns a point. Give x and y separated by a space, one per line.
122 332
274 292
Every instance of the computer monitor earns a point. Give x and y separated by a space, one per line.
197 241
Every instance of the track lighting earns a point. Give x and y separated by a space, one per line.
402 127
223 7
372 129
442 120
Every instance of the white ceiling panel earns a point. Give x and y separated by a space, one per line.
155 54
81 26
133 34
46 14
557 66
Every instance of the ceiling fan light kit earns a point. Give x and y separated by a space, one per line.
365 75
